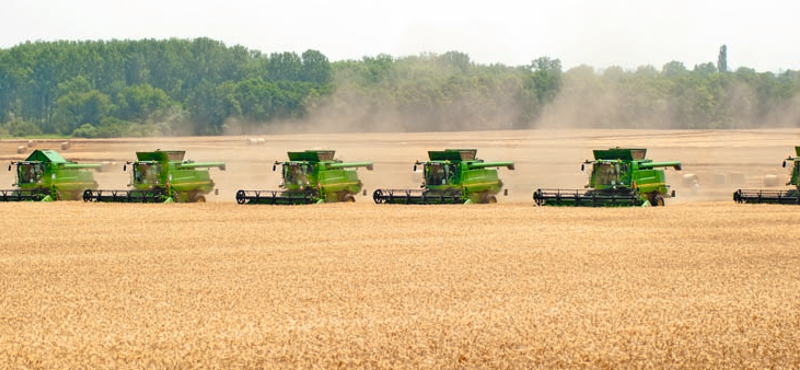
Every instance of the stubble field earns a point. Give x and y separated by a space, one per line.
701 283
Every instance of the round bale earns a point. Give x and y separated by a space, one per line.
65 145
20 149
31 143
689 179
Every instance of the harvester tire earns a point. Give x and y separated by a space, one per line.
491 199
199 198
657 201
349 199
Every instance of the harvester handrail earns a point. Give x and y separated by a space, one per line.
507 164
674 164
368 165
81 165
220 165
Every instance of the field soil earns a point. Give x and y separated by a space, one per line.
701 283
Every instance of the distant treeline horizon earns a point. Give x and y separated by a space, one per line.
178 87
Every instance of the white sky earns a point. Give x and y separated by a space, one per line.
762 35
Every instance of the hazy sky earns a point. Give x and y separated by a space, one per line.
764 35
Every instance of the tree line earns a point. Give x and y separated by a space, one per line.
203 87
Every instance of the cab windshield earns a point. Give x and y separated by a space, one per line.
440 173
610 173
146 173
30 173
296 173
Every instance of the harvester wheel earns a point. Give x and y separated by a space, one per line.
657 201
240 197
349 199
491 199
199 198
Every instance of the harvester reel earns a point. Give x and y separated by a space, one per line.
377 196
240 197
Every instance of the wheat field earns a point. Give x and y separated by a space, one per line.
701 283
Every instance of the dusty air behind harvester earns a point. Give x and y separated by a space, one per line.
451 176
161 176
312 176
787 196
620 178
46 175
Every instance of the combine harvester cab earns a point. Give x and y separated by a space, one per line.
309 177
161 176
620 178
787 196
46 176
451 176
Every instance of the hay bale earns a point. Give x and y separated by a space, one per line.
261 141
21 149
689 179
65 145
720 179
736 178
252 141
31 143
771 181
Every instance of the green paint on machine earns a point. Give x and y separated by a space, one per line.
310 177
451 176
45 175
620 177
161 177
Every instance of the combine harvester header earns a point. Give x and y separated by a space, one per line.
450 176
311 176
620 177
45 175
161 176
787 196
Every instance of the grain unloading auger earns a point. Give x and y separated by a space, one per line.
787 196
312 176
45 175
451 176
620 178
161 176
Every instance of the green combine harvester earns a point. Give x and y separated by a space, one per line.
620 178
161 176
309 177
789 196
451 176
45 175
